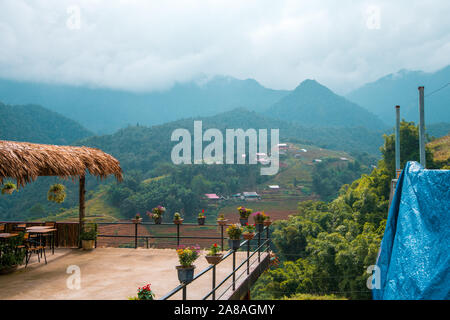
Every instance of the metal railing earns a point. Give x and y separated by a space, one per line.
262 243
178 235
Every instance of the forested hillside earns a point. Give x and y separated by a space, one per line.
33 123
312 104
327 247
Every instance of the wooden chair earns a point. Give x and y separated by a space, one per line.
2 228
30 246
20 227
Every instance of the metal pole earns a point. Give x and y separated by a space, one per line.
422 127
178 234
214 282
268 243
184 293
221 236
135 235
248 256
234 270
397 141
259 244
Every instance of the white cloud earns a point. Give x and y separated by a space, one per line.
149 45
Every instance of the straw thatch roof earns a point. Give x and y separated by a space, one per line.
25 161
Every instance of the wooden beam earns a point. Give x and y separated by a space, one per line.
81 204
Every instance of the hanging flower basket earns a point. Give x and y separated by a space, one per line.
136 220
56 193
178 221
215 259
9 188
248 235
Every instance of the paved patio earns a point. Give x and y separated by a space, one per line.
107 274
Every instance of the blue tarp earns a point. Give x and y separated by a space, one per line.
414 258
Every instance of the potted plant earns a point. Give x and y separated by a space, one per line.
144 293
9 188
267 221
259 218
234 233
221 220
214 256
248 231
88 236
244 213
201 217
10 256
186 257
177 218
157 214
56 193
137 218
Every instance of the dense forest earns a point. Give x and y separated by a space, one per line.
327 247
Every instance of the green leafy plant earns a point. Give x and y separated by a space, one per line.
187 255
56 193
214 249
89 232
259 217
8 187
10 256
248 228
234 232
177 216
202 214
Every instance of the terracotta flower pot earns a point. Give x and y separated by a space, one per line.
185 274
139 220
201 221
248 235
267 222
222 222
178 221
214 259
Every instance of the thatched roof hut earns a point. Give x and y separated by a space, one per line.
24 162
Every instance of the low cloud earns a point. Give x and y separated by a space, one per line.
150 45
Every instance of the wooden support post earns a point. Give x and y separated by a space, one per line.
81 205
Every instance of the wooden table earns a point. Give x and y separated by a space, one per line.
8 235
38 227
43 231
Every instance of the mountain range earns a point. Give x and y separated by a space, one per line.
401 88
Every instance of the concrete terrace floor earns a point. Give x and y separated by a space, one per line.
109 274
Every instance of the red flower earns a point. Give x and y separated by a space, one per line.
203 210
215 245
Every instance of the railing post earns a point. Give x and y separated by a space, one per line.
214 282
135 235
178 235
184 292
221 236
234 270
268 242
259 249
146 239
248 256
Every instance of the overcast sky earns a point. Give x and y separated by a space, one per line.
149 45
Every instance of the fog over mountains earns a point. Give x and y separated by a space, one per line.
311 104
